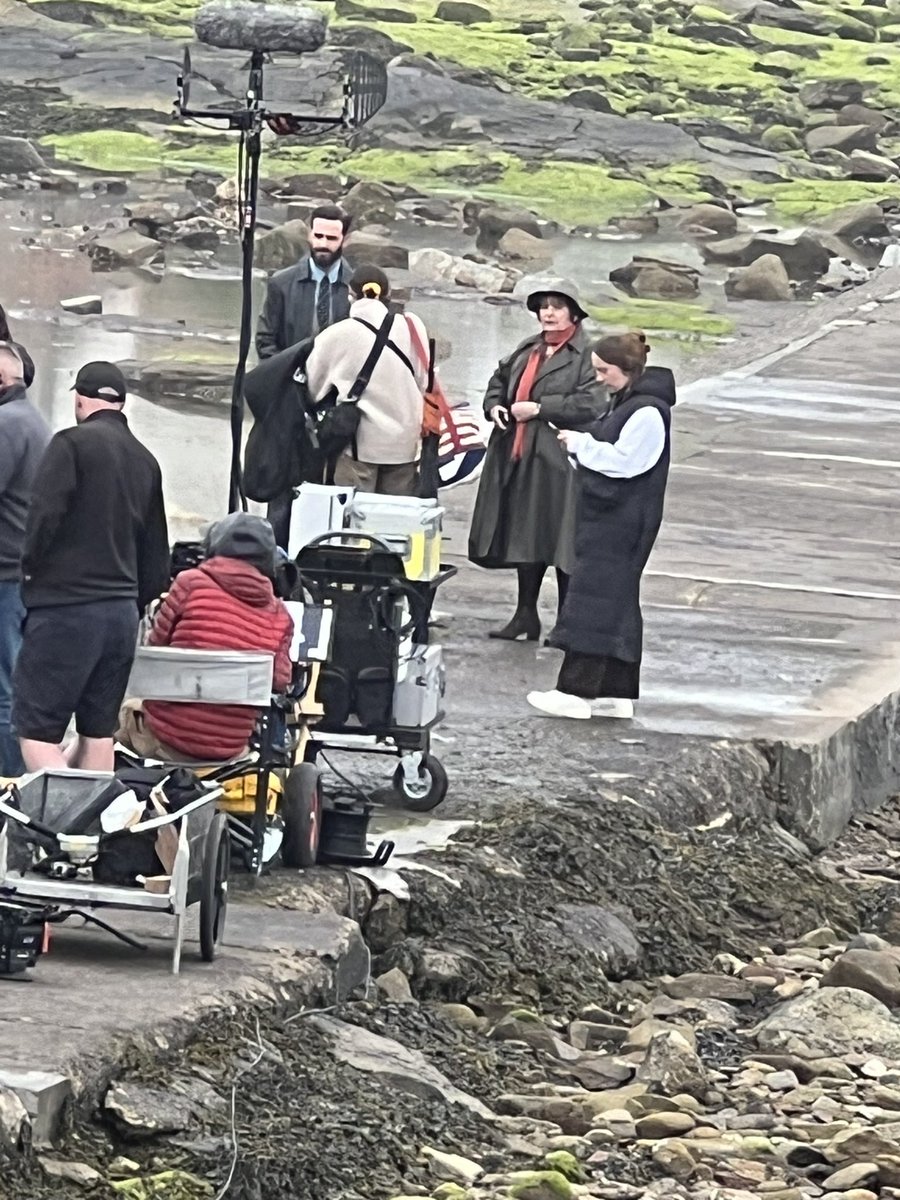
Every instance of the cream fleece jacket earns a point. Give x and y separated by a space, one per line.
391 406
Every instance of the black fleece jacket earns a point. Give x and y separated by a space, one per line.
97 524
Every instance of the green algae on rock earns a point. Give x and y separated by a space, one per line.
663 316
801 199
130 153
540 1185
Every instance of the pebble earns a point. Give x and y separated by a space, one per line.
771 1122
674 1158
656 1126
820 938
850 1177
452 1168
620 1122
789 989
781 1081
874 1068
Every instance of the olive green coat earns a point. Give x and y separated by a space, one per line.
525 511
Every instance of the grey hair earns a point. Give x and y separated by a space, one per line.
9 351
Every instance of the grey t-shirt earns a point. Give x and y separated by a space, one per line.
24 435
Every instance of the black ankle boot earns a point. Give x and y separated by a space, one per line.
525 622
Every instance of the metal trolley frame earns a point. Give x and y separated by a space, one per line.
199 875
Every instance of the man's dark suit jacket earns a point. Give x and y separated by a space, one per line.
289 313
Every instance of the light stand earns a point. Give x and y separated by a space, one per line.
365 90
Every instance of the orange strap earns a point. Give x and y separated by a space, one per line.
437 408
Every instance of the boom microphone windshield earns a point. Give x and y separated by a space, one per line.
249 25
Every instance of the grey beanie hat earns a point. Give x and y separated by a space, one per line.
556 287
241 535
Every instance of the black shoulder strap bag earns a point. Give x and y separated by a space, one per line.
339 423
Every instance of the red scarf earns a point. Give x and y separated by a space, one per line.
552 338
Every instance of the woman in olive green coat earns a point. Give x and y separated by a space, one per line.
524 513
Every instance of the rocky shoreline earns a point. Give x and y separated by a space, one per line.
758 144
547 1050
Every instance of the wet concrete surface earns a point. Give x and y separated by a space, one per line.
770 606
772 596
770 602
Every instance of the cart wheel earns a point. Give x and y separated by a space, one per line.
428 791
214 886
301 811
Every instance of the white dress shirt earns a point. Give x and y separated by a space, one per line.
640 446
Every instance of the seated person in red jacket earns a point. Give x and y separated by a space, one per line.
227 603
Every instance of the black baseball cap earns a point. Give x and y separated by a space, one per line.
101 381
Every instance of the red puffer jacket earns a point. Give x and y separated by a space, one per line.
225 604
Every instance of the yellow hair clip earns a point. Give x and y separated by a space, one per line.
373 290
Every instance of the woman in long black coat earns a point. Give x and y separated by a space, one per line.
622 466
524 514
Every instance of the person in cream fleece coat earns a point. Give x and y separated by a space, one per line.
389 438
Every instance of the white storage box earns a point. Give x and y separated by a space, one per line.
408 525
209 676
317 509
420 687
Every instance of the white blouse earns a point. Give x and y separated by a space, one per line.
640 446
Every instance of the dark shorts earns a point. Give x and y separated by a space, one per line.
75 659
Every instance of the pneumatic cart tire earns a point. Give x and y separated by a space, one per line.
301 812
214 886
428 791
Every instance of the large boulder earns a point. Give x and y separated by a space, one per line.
313 185
591 98
765 279
873 168
841 137
18 156
864 220
370 203
170 378
484 277
602 932
874 971
672 1067
519 246
699 985
494 220
656 279
831 93
145 1112
378 250
711 218
860 114
804 256
785 17
351 10
461 12
364 37
281 246
199 233
433 266
124 248
831 1022
779 138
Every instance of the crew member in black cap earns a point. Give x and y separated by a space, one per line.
96 553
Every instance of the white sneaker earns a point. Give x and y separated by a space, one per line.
622 710
559 704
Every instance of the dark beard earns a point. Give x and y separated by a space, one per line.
325 258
